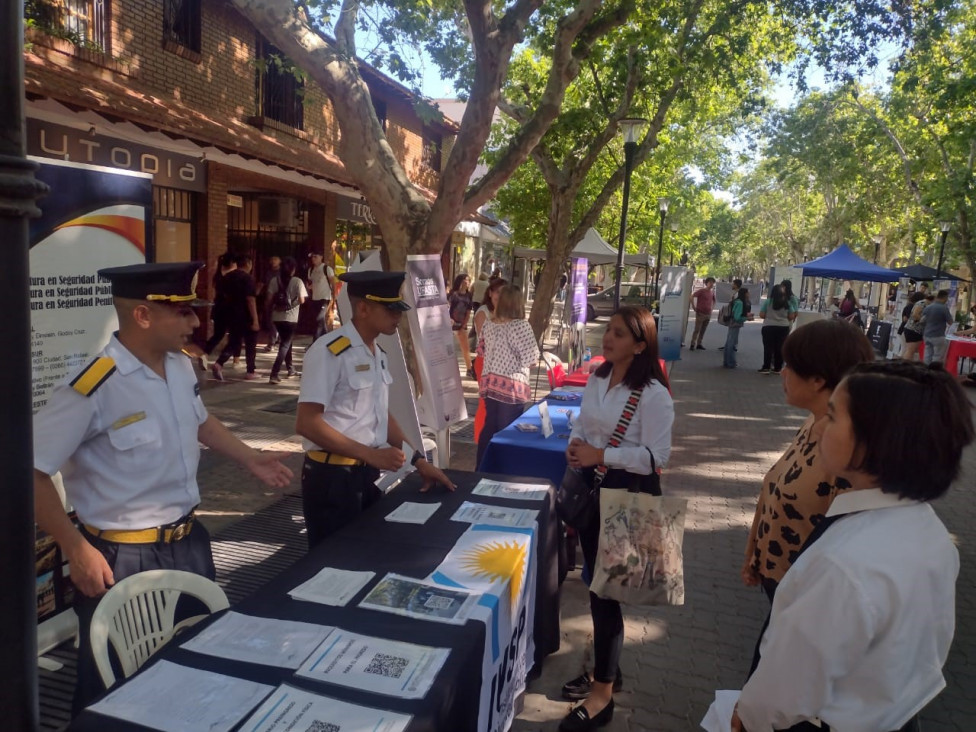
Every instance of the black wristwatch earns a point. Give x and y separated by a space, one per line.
417 455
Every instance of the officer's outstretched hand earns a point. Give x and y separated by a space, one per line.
432 475
268 467
387 458
90 572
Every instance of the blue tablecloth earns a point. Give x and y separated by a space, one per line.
516 453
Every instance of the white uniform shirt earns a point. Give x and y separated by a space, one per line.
650 429
354 387
320 276
861 624
129 452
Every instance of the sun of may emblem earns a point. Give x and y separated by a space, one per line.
498 560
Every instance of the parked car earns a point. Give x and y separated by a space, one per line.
635 293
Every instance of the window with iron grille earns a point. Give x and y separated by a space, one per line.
431 156
282 88
82 22
181 23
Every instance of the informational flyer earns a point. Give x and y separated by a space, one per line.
441 400
375 664
502 489
175 698
546 419
294 710
479 513
420 599
268 641
335 587
673 311
409 512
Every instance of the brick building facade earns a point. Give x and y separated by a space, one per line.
242 150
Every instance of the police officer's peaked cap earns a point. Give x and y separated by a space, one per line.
380 287
170 282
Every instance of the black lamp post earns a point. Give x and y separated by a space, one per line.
631 128
18 190
674 232
945 226
662 204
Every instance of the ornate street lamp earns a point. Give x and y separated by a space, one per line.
662 205
630 128
944 226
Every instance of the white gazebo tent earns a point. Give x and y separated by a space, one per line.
592 247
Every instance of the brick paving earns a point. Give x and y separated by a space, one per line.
730 426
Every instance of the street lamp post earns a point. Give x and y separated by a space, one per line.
18 190
674 232
944 226
631 128
662 204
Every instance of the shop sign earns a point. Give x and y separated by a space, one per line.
173 170
353 209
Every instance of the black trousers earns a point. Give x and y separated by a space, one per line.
912 725
498 416
608 618
772 338
286 331
190 554
241 333
333 495
219 331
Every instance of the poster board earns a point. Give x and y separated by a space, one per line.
574 313
93 217
673 311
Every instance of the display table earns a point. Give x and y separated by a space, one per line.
517 453
372 543
959 347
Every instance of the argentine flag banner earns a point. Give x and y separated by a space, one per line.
500 563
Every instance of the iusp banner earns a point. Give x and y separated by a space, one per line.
500 563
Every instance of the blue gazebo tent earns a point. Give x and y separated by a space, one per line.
843 264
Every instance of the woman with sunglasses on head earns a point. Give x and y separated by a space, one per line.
862 623
631 367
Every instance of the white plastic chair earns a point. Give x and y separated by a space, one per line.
136 616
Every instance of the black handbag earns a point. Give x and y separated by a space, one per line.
578 495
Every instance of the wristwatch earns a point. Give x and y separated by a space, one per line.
417 455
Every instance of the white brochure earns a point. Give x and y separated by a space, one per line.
413 513
175 698
420 599
500 489
479 513
546 419
375 664
294 709
335 587
282 643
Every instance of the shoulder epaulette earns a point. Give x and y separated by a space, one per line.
339 345
93 376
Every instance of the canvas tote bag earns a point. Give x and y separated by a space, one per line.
639 560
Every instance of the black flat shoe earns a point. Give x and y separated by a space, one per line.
579 720
580 687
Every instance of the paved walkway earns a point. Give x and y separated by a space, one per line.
730 426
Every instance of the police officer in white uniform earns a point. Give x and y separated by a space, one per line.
343 410
125 434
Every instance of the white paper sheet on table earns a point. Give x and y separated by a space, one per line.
378 665
718 718
335 587
413 513
177 698
502 489
420 599
271 642
479 513
289 708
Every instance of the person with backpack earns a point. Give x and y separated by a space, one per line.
777 314
741 312
286 293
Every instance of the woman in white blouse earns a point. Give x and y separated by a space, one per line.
631 352
862 622
509 348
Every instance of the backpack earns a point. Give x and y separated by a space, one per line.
280 300
725 314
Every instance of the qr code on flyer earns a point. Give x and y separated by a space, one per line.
436 602
389 666
318 726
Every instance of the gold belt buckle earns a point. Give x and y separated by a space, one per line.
180 531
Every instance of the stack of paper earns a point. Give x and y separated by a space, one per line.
500 489
295 709
478 513
177 698
282 643
375 664
413 513
331 586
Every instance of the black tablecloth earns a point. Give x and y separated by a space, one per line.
372 543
